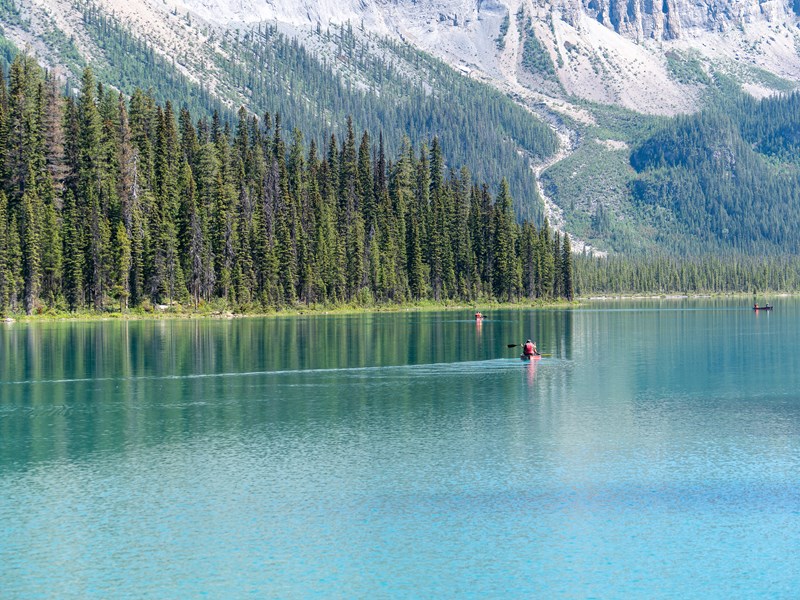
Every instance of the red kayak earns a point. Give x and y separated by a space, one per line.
530 356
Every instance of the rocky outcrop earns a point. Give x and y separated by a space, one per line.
667 19
637 19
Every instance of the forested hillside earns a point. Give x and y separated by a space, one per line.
384 85
109 202
726 179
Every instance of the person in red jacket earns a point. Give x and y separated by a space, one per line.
529 349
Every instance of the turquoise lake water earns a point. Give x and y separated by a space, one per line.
655 454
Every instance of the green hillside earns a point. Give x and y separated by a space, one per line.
726 179
385 86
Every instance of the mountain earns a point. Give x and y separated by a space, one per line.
556 94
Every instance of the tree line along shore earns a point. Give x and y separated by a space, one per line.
110 203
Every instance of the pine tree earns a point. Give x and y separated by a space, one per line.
52 255
122 266
529 256
55 136
25 144
192 238
312 254
557 272
337 280
506 284
14 266
5 272
73 254
364 189
546 266
90 192
31 246
463 256
4 139
168 274
352 227
567 290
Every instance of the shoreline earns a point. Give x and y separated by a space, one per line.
293 311
687 296
314 310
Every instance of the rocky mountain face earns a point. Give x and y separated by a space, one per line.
647 55
613 51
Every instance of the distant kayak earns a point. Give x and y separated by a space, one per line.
529 356
767 307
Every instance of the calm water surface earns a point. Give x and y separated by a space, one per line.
655 454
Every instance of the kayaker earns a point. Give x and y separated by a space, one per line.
529 349
478 316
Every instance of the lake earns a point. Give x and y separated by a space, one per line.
655 454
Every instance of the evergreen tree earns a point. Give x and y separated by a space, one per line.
73 254
31 246
6 277
55 143
546 266
52 255
14 273
90 192
558 273
122 266
567 290
103 198
506 283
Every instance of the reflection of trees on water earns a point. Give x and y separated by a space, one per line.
71 389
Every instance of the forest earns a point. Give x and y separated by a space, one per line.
112 203
382 84
730 175
670 274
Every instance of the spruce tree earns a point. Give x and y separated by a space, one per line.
73 254
55 136
558 274
14 268
90 192
505 239
5 274
52 255
4 139
567 290
31 246
546 266
122 266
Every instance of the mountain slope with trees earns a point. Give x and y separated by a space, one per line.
385 86
727 179
732 189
